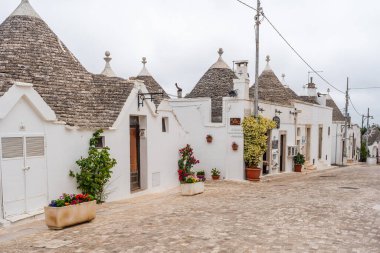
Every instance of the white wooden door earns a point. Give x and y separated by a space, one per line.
24 174
13 180
36 175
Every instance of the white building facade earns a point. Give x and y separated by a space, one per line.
49 108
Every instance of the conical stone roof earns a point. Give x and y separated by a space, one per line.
271 89
216 83
151 84
31 52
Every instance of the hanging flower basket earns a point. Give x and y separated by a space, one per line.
235 146
209 138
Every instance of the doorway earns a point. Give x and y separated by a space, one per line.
24 175
308 142
282 152
134 136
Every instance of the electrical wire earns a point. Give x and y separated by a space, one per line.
294 50
366 88
354 107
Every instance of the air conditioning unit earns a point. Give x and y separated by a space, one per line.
292 151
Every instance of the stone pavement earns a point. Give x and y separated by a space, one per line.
334 210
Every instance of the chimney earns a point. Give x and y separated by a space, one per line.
311 88
242 69
179 91
241 84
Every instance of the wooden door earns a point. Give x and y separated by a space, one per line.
134 158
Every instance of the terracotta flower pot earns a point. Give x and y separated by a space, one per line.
253 174
209 138
61 217
215 177
235 146
298 168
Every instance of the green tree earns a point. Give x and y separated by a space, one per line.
95 170
255 140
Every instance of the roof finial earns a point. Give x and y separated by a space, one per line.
220 52
144 71
267 59
107 69
144 61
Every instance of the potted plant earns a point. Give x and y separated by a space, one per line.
209 138
190 184
215 174
255 144
299 161
201 175
70 209
235 146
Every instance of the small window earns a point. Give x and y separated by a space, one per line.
100 142
12 147
329 131
298 131
165 124
35 146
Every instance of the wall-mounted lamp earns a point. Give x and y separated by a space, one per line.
277 111
261 109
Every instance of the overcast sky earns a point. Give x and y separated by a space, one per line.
180 39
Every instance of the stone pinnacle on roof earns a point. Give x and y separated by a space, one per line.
220 63
267 67
25 9
283 81
107 69
144 71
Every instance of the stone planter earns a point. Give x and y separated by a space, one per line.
253 174
192 189
371 160
61 217
298 168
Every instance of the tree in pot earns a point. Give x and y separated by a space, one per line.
255 144
299 161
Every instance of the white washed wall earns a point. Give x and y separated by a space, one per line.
65 145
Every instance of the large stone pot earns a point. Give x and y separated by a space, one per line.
61 217
298 168
253 174
192 189
371 160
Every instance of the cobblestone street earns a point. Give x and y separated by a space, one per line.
336 210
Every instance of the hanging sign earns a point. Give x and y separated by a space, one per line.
235 121
277 120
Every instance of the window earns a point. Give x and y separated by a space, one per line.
298 131
100 142
12 147
329 131
165 124
35 146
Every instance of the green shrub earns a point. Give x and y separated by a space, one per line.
95 170
299 159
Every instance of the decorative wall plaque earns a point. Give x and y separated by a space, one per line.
235 121
277 120
275 144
